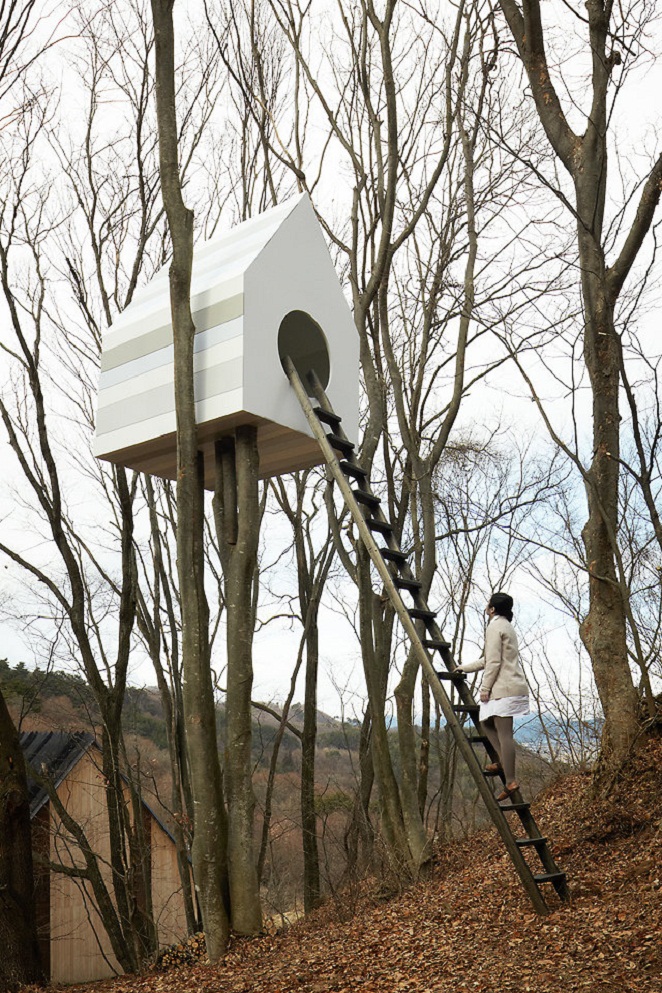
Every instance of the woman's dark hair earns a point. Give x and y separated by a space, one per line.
503 605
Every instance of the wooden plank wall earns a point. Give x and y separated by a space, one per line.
167 896
80 950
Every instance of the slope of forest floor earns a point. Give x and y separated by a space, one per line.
468 926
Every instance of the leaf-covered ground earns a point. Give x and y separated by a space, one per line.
468 927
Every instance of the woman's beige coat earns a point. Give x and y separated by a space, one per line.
503 675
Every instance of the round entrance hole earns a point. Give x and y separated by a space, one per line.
300 337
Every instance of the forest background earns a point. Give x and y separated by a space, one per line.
503 282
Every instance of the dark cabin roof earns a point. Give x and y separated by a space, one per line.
52 754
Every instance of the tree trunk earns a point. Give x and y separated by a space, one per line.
360 837
171 704
143 923
409 782
210 830
424 749
118 829
237 517
375 629
312 572
604 629
447 755
19 962
311 868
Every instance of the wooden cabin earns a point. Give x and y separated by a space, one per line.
74 945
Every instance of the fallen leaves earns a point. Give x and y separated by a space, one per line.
469 928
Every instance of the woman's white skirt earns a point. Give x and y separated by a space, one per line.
507 706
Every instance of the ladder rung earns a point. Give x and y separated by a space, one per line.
340 444
350 469
525 842
367 499
327 416
322 418
549 877
418 614
382 526
412 585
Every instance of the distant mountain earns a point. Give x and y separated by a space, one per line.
563 737
295 717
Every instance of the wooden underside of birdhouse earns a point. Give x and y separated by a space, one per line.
280 449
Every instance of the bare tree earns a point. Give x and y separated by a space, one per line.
161 636
72 592
210 824
108 238
609 40
18 929
314 557
409 253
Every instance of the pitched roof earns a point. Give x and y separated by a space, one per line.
266 287
53 754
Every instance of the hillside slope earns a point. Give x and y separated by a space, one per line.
468 927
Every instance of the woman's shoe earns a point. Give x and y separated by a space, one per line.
493 769
507 792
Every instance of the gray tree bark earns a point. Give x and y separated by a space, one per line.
210 827
237 518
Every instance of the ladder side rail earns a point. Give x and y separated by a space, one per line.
464 692
496 814
434 632
526 817
544 853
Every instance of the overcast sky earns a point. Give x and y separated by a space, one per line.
341 682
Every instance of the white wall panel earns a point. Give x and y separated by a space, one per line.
244 283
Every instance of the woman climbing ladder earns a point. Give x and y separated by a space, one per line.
503 689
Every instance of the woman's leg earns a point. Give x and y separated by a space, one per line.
506 747
490 733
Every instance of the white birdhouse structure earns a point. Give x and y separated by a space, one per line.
266 289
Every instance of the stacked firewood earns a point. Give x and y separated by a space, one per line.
185 953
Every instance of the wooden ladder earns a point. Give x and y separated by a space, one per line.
397 577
